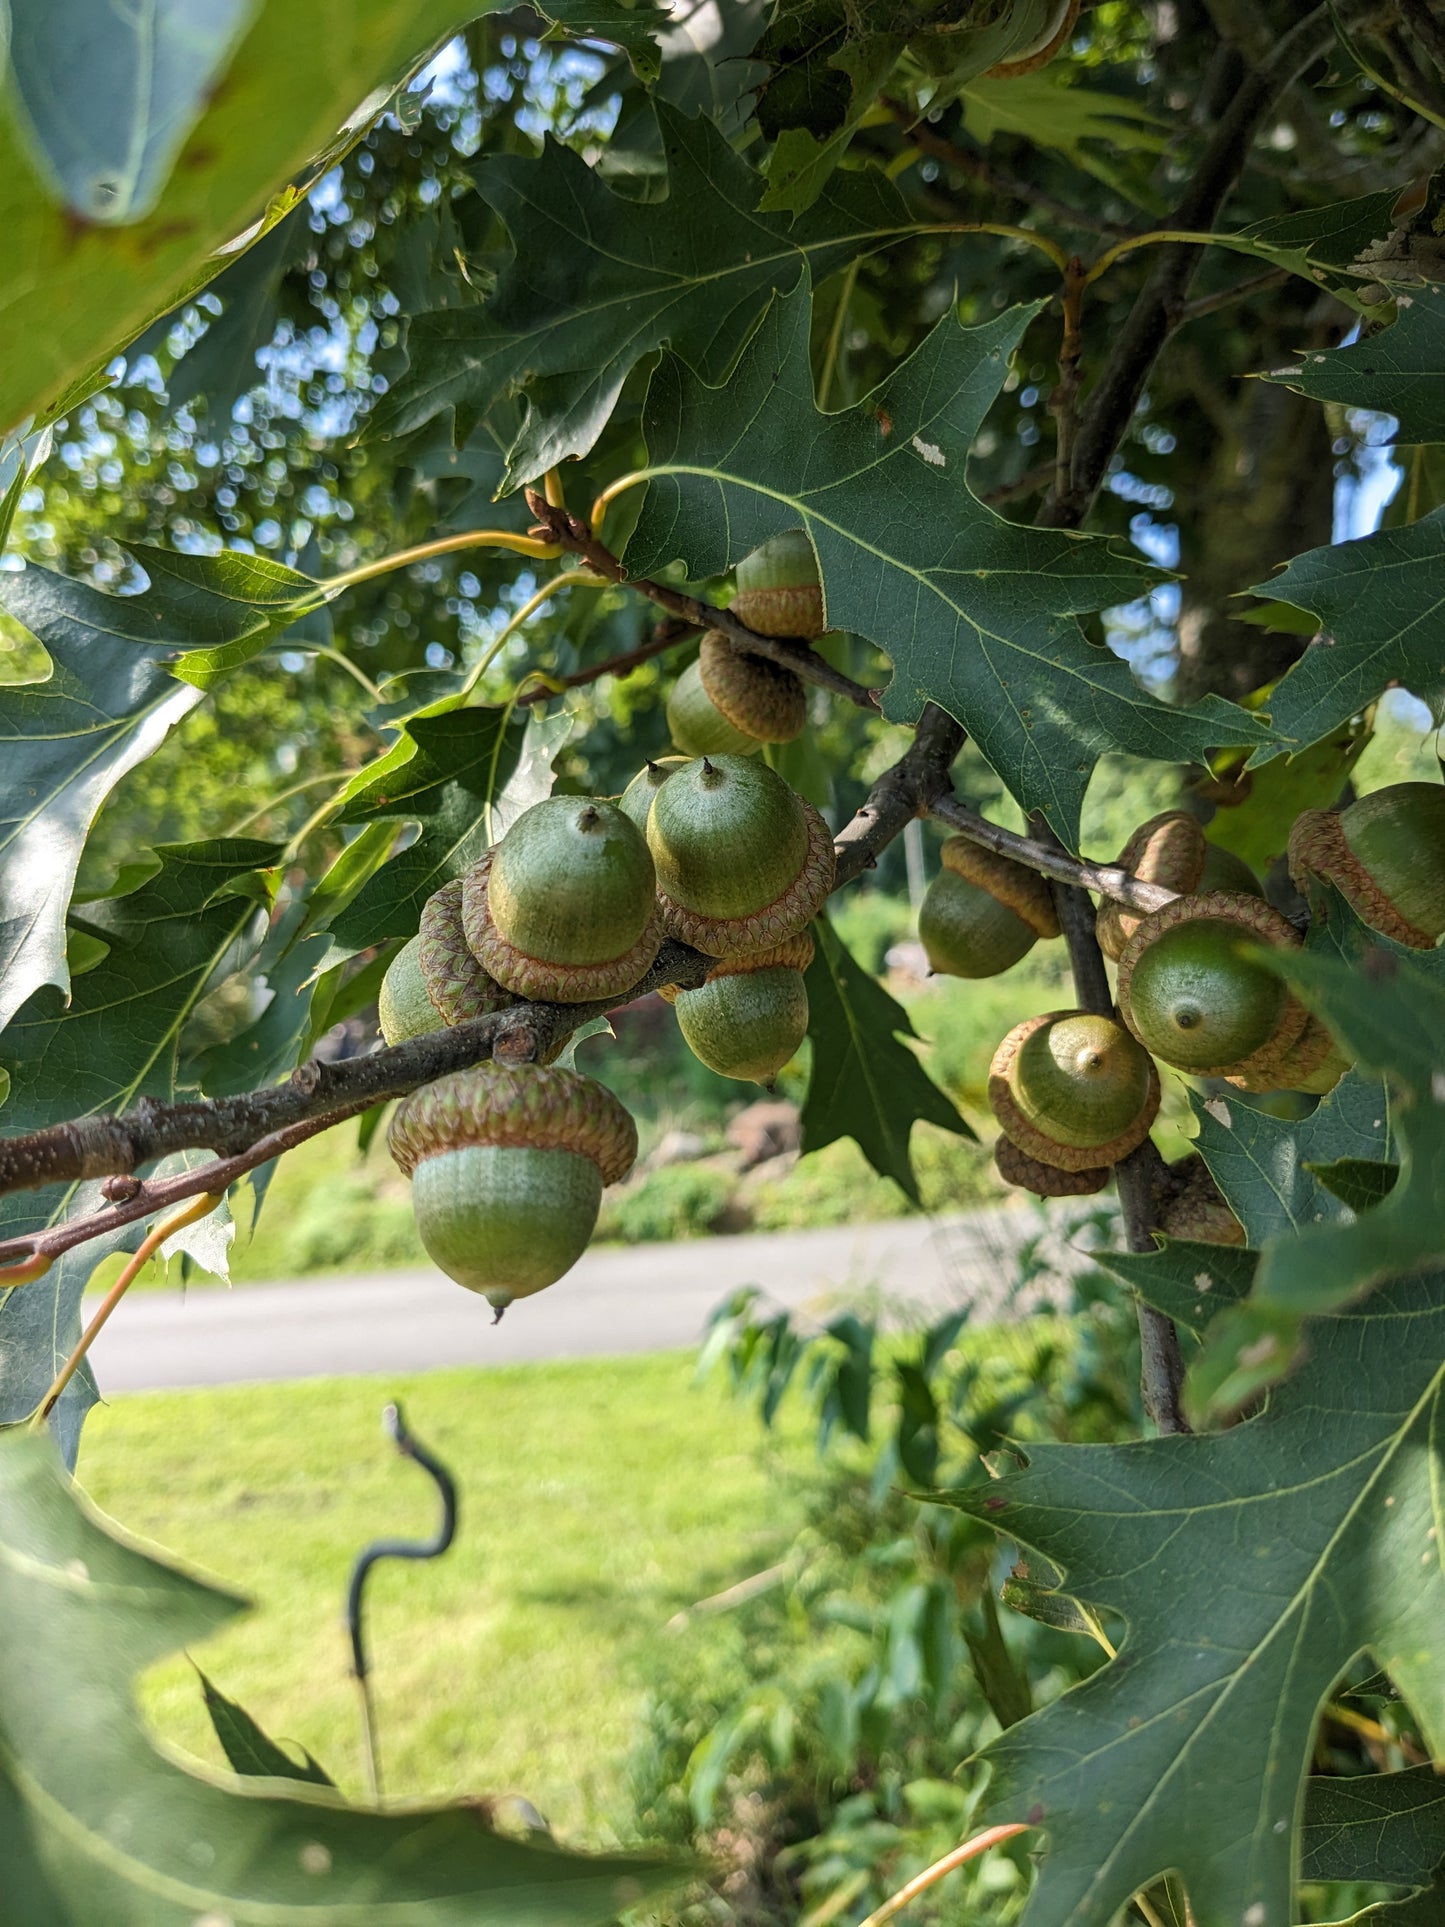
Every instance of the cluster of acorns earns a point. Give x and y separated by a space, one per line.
1074 1092
571 906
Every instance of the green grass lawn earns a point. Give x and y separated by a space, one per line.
598 1498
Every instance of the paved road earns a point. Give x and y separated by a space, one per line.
634 1299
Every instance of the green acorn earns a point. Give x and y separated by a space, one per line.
1038 50
742 861
982 912
751 1015
1073 1089
731 703
1386 854
636 800
1191 995
507 1167
1171 850
563 910
779 590
403 1008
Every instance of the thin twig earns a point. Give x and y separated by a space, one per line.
667 635
1226 297
920 133
1106 879
575 536
1156 311
151 1243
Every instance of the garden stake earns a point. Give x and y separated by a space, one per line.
394 1425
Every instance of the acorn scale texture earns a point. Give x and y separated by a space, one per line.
507 1167
562 909
751 1015
1073 1089
742 861
1045 1180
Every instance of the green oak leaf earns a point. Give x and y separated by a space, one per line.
598 281
1340 243
1375 1826
109 700
118 1036
107 95
120 664
632 28
1258 828
1188 1281
1386 1005
1250 1568
89 287
977 613
1358 1182
99 1827
1399 372
117 1039
865 1082
249 1749
1380 602
1261 1162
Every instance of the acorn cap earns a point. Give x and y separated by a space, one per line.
636 800
1042 48
403 1007
1197 1210
1074 1089
742 861
779 591
455 981
563 908
1168 850
1386 854
1191 996
1045 1180
763 699
1025 892
522 1106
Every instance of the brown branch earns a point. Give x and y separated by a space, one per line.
1156 310
914 786
576 537
253 1128
667 635
1226 297
1136 1177
1107 879
920 133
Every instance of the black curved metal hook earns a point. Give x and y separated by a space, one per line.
394 1425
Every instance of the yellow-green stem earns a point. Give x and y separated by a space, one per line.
447 545
920 1883
150 1244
